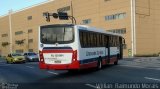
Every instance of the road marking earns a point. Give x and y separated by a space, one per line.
30 67
152 79
53 73
90 85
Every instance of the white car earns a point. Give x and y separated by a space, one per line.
31 57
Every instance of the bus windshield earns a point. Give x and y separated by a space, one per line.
60 35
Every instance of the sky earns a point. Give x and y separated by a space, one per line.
6 5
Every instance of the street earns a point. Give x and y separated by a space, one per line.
129 70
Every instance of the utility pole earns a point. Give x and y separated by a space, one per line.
72 11
10 29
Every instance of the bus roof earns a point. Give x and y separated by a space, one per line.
94 29
85 27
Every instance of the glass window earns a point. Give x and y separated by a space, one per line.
4 35
18 32
115 16
29 17
29 30
61 35
30 54
19 51
86 21
122 15
84 39
119 31
30 40
81 38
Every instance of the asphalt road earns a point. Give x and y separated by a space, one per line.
130 70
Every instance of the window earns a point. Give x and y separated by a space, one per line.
64 9
18 32
61 35
107 0
29 17
30 31
4 35
121 15
87 21
30 41
119 31
19 51
115 16
30 50
92 39
89 39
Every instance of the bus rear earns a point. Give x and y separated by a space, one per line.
57 47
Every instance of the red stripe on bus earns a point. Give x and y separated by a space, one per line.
73 65
89 65
57 51
112 60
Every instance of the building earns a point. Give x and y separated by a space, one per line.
137 20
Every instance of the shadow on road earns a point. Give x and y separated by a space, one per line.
71 75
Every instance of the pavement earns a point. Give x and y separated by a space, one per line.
142 62
129 71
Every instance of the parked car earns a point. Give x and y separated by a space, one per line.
31 56
15 58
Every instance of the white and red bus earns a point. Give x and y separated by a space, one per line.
71 47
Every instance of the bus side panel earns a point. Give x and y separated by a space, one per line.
89 57
113 54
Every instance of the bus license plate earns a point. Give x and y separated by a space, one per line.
57 61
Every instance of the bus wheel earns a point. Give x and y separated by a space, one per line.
99 65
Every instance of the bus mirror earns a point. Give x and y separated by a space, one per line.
63 16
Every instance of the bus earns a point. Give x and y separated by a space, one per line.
74 47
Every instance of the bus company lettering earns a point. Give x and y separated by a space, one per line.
94 53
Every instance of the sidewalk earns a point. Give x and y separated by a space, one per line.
148 62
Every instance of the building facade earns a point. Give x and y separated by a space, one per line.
137 20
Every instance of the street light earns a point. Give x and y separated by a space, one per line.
60 15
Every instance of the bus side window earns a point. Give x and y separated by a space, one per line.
97 36
114 41
92 39
84 39
89 39
111 41
100 42
103 40
81 38
95 39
